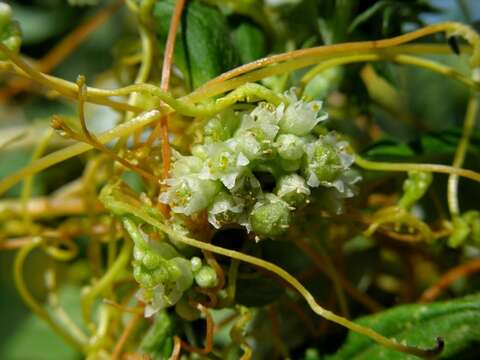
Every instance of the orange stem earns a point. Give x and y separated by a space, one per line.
177 348
132 324
208 338
313 53
448 278
76 37
166 71
16 243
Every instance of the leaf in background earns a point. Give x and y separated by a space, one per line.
203 49
33 339
440 143
158 340
249 41
389 148
389 15
40 23
456 321
367 14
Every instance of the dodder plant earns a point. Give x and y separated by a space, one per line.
223 166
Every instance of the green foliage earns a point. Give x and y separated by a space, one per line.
203 48
428 145
42 343
249 42
158 340
389 12
456 322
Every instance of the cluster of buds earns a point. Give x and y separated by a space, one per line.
255 168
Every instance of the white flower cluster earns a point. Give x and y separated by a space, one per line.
227 174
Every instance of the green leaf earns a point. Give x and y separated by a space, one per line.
455 321
249 41
158 340
33 339
388 148
203 48
40 23
440 143
367 14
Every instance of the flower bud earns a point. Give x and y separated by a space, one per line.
301 117
270 218
293 190
323 163
289 147
206 277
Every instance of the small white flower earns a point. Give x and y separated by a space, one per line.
189 194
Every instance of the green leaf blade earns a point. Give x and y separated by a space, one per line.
456 322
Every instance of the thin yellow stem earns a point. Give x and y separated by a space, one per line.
403 167
27 182
460 153
88 297
63 87
396 58
317 53
77 149
155 222
33 304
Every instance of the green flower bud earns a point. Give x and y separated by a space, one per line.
293 189
221 127
216 131
160 275
196 263
414 187
289 147
323 163
299 117
151 260
270 218
147 280
206 277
